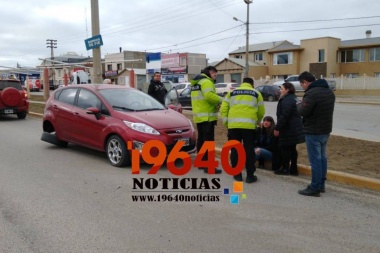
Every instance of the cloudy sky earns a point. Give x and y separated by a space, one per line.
195 26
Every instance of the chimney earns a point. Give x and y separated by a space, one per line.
368 34
120 49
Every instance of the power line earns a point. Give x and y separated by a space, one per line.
311 21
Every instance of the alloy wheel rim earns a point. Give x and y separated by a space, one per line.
114 151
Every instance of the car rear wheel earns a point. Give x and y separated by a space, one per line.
117 152
270 98
21 115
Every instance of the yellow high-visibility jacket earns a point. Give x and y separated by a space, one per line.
242 108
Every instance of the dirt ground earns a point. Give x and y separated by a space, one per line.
344 154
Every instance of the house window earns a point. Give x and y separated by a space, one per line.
352 75
356 55
283 58
374 54
321 55
259 57
119 66
182 61
109 67
238 57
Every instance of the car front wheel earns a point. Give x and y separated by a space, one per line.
270 98
117 152
21 115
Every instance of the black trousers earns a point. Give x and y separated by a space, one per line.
206 132
247 137
289 154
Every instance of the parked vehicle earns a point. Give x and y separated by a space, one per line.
80 77
185 98
269 92
223 88
291 79
34 84
331 83
181 86
107 117
13 98
169 85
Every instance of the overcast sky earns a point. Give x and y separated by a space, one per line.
195 26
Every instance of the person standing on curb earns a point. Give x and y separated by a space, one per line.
241 111
289 129
317 109
205 105
157 89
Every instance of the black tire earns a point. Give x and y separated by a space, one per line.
117 152
270 98
21 115
224 94
52 138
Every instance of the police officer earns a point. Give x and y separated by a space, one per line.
241 110
205 105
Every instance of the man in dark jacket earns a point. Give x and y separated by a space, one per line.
157 89
316 108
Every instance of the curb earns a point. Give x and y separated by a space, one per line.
339 177
358 103
36 114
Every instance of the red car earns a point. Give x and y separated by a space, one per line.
13 98
106 117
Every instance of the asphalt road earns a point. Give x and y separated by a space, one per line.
350 120
71 200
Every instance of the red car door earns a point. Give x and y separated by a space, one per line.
87 129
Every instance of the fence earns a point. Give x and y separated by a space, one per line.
342 83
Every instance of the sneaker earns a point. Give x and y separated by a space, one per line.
217 171
238 178
309 192
251 179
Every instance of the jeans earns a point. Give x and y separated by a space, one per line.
316 148
264 155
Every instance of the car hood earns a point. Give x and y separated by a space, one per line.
160 119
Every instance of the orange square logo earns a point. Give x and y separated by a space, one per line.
238 187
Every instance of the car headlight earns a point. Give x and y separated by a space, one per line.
140 127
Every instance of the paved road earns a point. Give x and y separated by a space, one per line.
72 200
350 120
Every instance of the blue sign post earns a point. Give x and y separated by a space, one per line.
94 42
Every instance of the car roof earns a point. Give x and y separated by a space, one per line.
99 86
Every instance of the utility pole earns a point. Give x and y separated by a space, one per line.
247 40
96 55
51 44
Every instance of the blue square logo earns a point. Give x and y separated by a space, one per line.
234 199
226 191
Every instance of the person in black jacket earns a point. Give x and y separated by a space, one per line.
316 108
289 128
157 89
266 146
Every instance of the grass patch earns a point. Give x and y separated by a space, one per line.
36 98
37 108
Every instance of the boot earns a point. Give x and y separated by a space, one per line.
281 171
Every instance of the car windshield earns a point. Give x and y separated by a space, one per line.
6 83
130 100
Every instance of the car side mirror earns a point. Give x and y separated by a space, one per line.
95 111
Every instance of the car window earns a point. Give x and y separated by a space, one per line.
260 88
266 88
68 96
130 100
186 92
88 99
180 86
6 83
171 98
235 85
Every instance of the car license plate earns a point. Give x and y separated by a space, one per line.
8 111
186 140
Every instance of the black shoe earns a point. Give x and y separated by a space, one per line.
322 190
251 179
310 192
217 171
238 178
294 173
282 172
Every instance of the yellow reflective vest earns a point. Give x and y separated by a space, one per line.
204 100
242 108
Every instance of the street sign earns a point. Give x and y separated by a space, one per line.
94 42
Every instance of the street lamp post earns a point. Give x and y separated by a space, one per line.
246 38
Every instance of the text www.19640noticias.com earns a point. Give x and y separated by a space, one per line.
175 198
